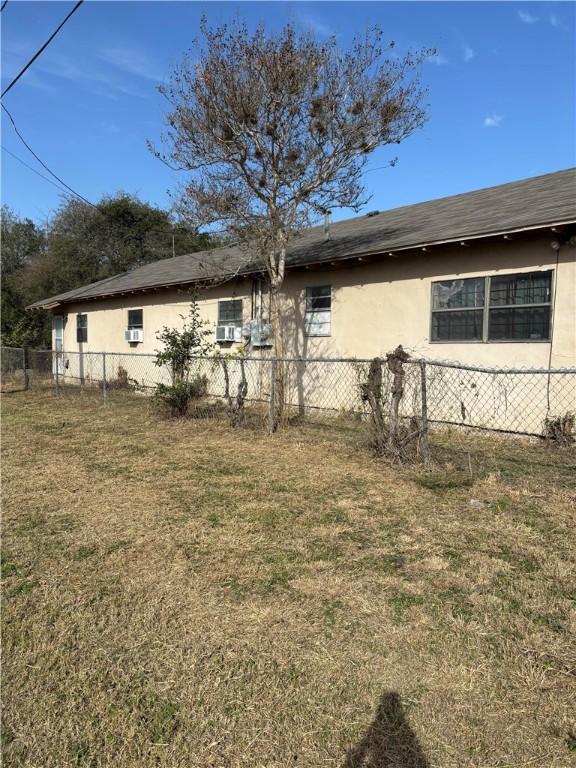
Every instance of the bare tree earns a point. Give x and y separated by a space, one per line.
276 131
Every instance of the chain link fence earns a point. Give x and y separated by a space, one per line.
519 401
13 369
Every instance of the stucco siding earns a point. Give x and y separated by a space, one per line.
375 307
108 318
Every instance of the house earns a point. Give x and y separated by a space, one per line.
486 277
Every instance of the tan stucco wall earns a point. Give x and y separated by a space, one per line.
375 307
108 318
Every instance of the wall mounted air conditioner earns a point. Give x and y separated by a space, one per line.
227 333
134 334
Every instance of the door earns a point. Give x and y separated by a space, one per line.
58 357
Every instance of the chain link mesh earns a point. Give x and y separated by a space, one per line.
13 369
510 400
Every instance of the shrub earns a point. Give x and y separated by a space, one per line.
175 399
181 346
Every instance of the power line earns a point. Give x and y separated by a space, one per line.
42 163
124 237
73 192
41 49
25 164
4 4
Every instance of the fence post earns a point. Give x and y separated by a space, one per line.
104 393
56 369
424 445
272 424
25 365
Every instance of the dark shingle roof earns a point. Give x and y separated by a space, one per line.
531 203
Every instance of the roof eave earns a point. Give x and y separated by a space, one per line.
356 255
449 241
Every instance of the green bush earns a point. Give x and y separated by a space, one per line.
181 346
175 399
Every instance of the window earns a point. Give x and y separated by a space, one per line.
500 308
230 313
458 309
81 328
135 319
317 319
520 307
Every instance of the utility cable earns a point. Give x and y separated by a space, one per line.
42 163
25 164
41 49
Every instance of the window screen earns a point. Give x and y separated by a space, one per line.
135 319
81 328
520 307
230 312
317 319
457 309
499 308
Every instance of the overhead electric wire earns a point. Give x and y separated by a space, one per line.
73 192
42 163
25 164
124 237
41 49
61 183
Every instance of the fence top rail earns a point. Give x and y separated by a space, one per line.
361 360
480 369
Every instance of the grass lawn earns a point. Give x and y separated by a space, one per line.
182 595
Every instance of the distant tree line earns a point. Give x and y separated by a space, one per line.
79 245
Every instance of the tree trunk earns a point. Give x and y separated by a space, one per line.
278 405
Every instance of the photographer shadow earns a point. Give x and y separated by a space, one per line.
389 741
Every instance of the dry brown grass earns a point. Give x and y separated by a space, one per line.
178 594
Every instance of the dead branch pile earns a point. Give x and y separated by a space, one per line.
235 403
390 434
560 430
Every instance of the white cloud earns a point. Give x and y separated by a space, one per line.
437 59
132 61
527 18
54 65
468 52
493 121
317 25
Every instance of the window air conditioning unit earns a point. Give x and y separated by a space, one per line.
228 333
134 334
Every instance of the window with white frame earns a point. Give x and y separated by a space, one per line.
514 307
81 328
230 312
318 310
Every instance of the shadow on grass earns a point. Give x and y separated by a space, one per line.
389 741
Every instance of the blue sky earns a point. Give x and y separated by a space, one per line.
501 92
